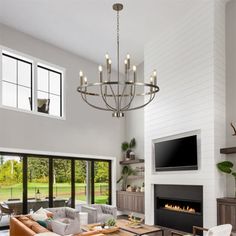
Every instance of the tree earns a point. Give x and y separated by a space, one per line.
101 171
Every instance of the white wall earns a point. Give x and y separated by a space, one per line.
134 120
85 130
190 99
230 85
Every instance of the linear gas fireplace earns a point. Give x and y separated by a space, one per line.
178 207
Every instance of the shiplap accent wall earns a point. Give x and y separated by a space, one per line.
190 64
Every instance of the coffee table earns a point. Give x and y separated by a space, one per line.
145 229
120 232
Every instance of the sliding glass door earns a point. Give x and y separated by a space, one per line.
61 182
37 183
11 187
101 182
28 182
81 182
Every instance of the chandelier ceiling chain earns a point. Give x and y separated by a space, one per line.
126 91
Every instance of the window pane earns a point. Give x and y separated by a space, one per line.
24 73
54 106
55 86
62 182
42 95
24 96
10 185
8 94
38 179
80 182
42 79
101 182
9 69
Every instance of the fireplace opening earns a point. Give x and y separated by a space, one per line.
178 207
185 206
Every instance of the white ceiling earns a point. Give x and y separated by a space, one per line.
88 27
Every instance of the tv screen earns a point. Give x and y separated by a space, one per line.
176 154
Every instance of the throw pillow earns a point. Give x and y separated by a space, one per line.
37 217
43 210
42 223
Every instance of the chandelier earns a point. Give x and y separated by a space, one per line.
118 94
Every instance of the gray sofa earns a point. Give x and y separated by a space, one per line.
99 213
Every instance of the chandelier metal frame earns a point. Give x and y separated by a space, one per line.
116 91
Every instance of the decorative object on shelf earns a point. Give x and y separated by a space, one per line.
125 173
139 170
117 96
127 149
142 188
234 129
226 167
38 195
134 221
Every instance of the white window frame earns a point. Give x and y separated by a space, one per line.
35 62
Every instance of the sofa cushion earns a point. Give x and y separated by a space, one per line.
37 228
46 234
64 229
26 221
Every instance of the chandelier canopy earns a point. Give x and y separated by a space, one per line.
120 94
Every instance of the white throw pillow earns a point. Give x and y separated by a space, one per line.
37 217
42 211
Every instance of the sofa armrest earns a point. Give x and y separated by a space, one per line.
112 210
72 213
92 213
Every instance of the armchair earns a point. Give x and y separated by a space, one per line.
5 210
99 213
214 231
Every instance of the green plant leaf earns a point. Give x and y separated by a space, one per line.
124 146
234 174
132 143
225 166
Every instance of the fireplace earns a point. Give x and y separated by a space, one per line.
178 207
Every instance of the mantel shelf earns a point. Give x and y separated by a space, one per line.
136 161
229 150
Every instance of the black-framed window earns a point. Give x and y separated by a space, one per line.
49 86
16 82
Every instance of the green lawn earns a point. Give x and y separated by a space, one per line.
60 190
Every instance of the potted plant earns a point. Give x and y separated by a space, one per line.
226 167
125 173
127 147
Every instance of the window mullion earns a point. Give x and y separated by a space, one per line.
35 86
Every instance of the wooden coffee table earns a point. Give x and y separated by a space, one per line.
120 232
145 229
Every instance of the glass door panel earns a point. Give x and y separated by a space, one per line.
38 183
81 186
11 187
61 182
101 182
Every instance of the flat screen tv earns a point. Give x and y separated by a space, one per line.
176 154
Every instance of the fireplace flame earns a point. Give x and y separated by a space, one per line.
178 208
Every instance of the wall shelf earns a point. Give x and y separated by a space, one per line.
136 161
229 150
134 177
